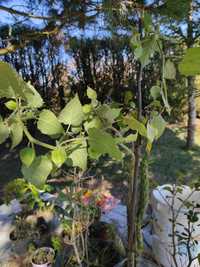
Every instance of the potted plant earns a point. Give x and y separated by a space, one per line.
43 257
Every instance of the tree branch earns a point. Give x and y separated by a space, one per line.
24 14
28 37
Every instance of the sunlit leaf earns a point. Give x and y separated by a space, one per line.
11 104
49 124
13 86
33 98
27 156
72 114
87 108
79 154
190 65
91 93
58 156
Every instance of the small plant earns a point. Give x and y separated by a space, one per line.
184 224
43 255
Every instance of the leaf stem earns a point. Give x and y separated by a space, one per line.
35 141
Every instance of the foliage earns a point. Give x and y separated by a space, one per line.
191 62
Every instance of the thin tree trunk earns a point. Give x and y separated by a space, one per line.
133 186
191 114
191 92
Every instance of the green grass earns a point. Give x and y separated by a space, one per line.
170 161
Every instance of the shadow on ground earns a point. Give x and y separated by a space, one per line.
170 161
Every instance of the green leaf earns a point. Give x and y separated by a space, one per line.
159 124
72 114
155 92
151 132
49 124
76 129
138 52
148 48
87 108
13 86
58 156
91 94
147 21
94 123
136 125
79 154
33 98
190 65
38 171
102 143
11 104
27 156
16 130
4 132
169 70
108 114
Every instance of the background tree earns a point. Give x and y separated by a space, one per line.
183 25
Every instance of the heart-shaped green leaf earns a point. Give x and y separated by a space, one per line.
48 123
38 171
79 154
72 114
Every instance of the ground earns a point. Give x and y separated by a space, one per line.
169 162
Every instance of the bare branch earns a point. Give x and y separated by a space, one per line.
24 14
27 38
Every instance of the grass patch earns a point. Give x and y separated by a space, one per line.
170 160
